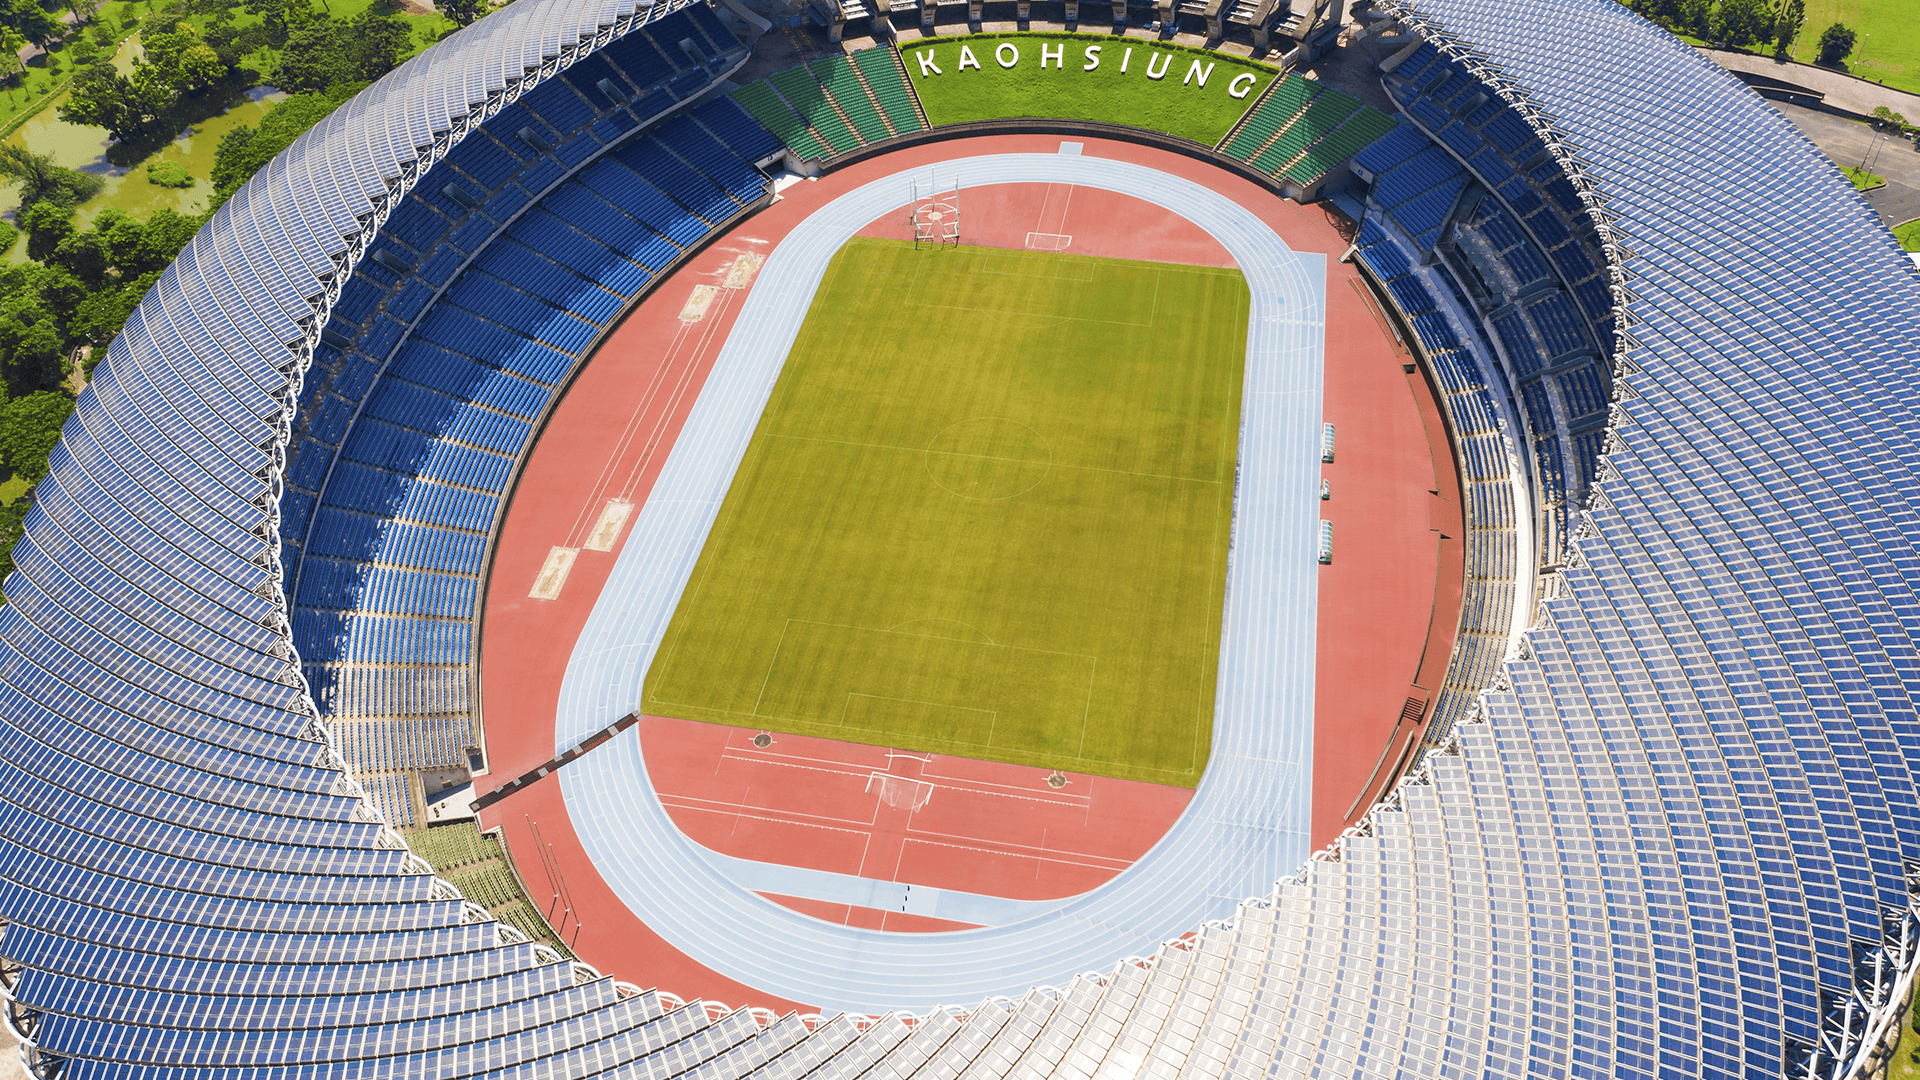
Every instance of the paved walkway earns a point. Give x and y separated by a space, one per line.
1838 89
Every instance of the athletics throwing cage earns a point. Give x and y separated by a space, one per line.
936 212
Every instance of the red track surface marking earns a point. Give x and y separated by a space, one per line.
1388 605
1390 602
1102 223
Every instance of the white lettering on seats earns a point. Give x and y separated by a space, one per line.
1242 85
1093 58
927 66
1195 71
1056 53
1000 52
967 59
1125 60
1166 61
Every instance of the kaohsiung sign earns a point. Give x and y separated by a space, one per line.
1155 65
1193 93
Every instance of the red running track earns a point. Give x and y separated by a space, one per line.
925 819
1388 604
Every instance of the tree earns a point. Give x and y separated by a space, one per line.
1886 119
41 180
29 428
182 61
463 12
1742 22
329 52
12 41
36 361
47 223
280 18
1696 17
128 106
101 315
85 256
1787 26
1836 42
13 518
32 21
35 303
83 50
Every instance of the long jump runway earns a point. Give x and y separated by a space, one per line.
1250 817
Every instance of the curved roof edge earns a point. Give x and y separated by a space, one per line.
1524 51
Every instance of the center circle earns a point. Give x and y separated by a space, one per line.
988 458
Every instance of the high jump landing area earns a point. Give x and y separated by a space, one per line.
1387 606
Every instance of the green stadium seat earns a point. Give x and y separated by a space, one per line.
1327 112
1288 98
765 105
804 94
1364 127
889 87
843 86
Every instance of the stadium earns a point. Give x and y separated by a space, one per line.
1489 509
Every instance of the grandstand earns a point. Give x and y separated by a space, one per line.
1677 837
1295 130
488 285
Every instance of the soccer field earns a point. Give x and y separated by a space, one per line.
985 513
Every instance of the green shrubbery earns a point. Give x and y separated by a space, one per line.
1192 93
169 174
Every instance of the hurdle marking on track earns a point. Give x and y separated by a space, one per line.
607 529
553 573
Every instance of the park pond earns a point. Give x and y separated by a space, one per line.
82 147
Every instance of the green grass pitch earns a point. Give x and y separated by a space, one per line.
985 513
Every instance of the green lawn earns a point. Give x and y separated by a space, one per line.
1887 49
1908 235
1861 179
985 512
1901 1065
1159 88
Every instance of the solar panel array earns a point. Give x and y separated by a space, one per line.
1677 840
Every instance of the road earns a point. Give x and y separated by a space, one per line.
1850 143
